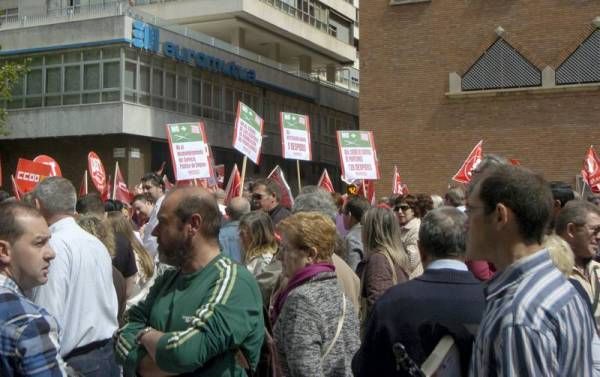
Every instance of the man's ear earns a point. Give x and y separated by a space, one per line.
502 215
38 204
195 222
5 253
571 230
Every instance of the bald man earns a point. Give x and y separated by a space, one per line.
202 315
229 237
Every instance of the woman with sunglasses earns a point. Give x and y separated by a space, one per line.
315 325
410 209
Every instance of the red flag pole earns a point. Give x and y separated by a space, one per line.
243 176
114 193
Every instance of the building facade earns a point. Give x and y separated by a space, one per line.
108 77
438 76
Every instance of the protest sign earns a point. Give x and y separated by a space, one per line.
295 136
189 151
30 173
47 160
247 135
97 173
358 156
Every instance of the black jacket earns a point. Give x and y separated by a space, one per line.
418 314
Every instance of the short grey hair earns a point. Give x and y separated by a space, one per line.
576 212
56 196
237 207
318 201
443 233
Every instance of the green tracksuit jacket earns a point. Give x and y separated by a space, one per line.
206 316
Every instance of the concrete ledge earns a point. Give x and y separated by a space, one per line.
405 2
525 91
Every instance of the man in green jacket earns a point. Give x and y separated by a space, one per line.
205 316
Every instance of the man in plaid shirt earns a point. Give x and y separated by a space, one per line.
28 334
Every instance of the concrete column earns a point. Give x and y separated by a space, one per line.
305 64
330 72
548 78
238 37
274 51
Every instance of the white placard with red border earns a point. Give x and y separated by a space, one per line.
189 151
97 172
47 160
247 135
358 155
295 136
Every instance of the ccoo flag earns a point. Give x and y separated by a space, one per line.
287 200
325 182
591 170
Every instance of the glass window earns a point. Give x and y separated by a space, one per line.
130 76
91 55
206 94
53 80
34 82
196 91
111 76
110 53
35 61
72 78
17 89
181 88
71 57
71 99
157 82
53 59
91 76
170 85
91 97
131 54
217 97
144 78
111 96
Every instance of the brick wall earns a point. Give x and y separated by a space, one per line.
406 54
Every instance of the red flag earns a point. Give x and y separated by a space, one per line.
287 200
367 189
514 161
16 190
398 187
30 173
161 170
105 195
121 191
233 188
83 187
325 182
591 170
168 184
466 170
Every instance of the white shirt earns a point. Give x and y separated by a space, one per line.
148 240
80 293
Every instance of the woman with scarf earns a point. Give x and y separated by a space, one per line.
316 328
386 263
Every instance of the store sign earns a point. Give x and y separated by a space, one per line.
204 61
147 37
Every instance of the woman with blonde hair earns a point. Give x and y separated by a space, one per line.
386 261
315 324
144 277
259 247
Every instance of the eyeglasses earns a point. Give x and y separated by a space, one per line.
401 207
593 230
257 196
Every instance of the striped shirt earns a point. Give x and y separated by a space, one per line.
28 336
535 324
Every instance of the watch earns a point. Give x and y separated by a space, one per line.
144 331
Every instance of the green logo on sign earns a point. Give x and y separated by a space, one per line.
185 132
355 139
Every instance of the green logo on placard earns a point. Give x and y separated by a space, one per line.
294 121
249 116
185 132
355 139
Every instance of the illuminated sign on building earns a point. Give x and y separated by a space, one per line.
147 37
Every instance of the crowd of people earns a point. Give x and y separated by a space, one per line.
503 269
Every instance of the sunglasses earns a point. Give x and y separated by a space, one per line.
257 196
402 207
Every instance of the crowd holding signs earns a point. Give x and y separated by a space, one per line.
193 163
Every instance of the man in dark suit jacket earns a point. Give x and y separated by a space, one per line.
446 299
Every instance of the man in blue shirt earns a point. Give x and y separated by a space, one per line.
535 322
28 334
229 235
